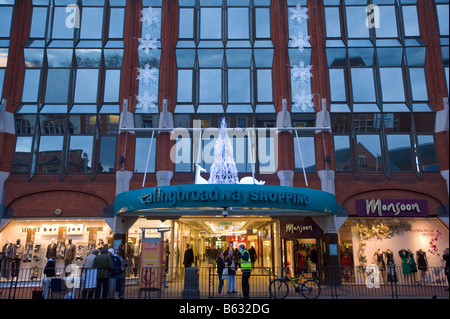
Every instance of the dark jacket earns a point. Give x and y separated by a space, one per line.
220 265
118 266
188 257
49 269
103 263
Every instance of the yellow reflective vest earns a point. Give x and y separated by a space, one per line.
246 265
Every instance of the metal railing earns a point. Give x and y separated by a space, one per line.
203 283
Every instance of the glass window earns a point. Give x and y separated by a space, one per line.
342 154
264 82
116 24
418 84
427 153
107 157
308 154
2 77
59 28
262 20
91 23
400 156
31 86
392 84
38 22
388 22
80 154
363 85
141 155
238 25
57 86
337 85
112 86
22 155
184 86
239 85
86 86
5 21
186 26
210 86
356 22
410 21
368 156
183 154
266 155
442 12
50 154
333 22
210 23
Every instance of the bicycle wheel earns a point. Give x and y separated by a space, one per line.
278 289
310 289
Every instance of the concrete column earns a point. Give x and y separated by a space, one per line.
286 177
163 178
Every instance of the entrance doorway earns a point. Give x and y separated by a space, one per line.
301 255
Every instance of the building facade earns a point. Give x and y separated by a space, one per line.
92 89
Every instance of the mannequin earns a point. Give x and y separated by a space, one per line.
51 250
7 254
412 264
392 274
70 253
379 261
18 256
100 244
423 264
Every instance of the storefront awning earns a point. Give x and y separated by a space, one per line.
212 199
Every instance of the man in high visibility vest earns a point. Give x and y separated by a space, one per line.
246 267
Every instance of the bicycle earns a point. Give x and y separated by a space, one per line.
279 289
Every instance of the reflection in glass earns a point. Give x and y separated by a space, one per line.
337 85
333 22
57 86
388 22
210 85
31 85
342 153
418 84
116 22
80 154
363 85
262 20
308 153
239 85
184 86
59 29
427 153
369 153
399 149
22 155
91 23
107 157
112 86
86 86
186 23
5 21
410 21
356 22
442 12
264 81
210 23
140 159
50 154
238 27
38 24
392 84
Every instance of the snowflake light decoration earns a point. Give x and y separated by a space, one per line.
302 72
146 44
298 13
303 101
149 15
301 41
146 102
146 74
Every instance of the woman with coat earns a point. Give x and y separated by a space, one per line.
220 268
231 263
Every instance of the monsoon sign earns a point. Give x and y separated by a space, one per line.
225 196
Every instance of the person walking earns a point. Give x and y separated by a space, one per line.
89 275
103 263
253 255
220 268
117 274
246 267
188 256
231 263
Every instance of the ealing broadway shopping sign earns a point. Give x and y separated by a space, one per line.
225 196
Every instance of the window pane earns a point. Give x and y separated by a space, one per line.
442 12
363 85
337 85
107 156
112 86
369 153
22 154
388 22
183 155
308 154
392 84
5 21
50 154
427 153
418 84
140 162
342 154
184 86
80 154
210 86
38 22
410 21
116 23
210 23
60 30
266 155
31 86
86 86
91 23
186 28
356 22
262 17
333 22
2 77
57 86
239 85
238 23
399 148
264 81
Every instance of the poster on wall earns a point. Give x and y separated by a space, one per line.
151 261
